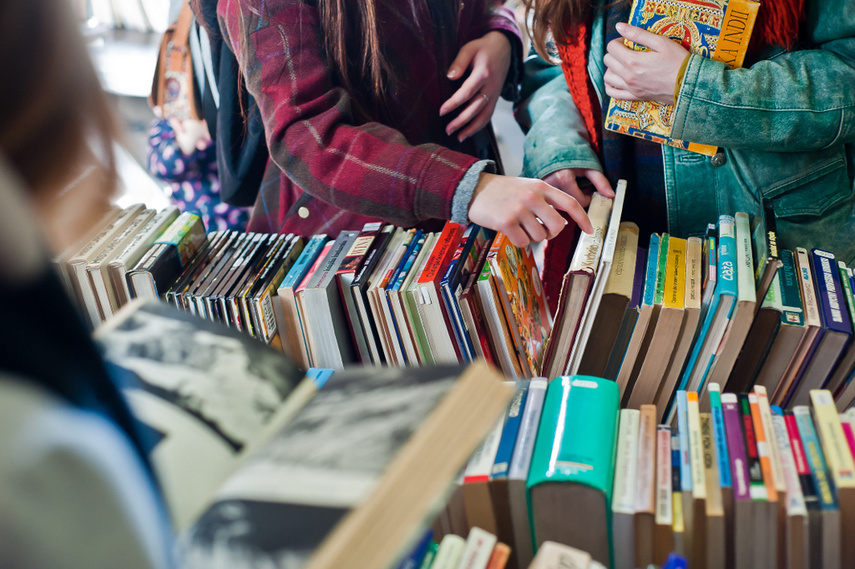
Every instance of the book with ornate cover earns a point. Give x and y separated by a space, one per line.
716 29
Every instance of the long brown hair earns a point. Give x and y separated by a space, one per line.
350 27
552 18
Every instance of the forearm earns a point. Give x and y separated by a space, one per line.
557 138
795 102
501 18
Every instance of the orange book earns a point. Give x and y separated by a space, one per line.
765 556
499 557
521 292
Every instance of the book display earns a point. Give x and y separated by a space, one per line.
721 435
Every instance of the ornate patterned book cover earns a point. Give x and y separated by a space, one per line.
716 29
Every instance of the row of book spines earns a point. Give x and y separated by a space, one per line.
742 446
482 550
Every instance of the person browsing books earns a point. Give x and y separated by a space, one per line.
378 110
76 487
781 126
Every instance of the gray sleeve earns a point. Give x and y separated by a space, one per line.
465 189
73 494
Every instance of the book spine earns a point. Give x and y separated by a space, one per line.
846 287
626 462
186 234
756 487
769 430
513 419
449 552
479 547
304 261
649 297
662 268
696 453
791 296
521 459
735 32
827 279
442 252
683 431
800 459
834 445
815 458
719 436
481 464
795 499
676 486
664 482
645 489
736 447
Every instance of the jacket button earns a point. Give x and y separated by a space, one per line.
718 159
303 212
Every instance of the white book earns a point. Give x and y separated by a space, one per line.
97 269
479 547
623 495
605 267
449 552
76 265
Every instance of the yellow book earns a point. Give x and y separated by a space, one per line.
716 29
841 465
659 351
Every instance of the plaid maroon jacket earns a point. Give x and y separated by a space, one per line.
341 171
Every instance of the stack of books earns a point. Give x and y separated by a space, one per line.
733 482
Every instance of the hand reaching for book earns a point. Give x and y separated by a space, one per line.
643 75
488 60
524 209
566 181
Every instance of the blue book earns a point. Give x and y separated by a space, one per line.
521 547
474 240
719 437
499 481
683 433
835 328
319 375
293 338
720 310
413 559
398 277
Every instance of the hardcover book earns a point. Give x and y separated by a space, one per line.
715 29
573 465
260 467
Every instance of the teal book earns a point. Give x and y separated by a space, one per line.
572 468
720 310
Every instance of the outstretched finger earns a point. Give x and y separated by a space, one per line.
573 208
600 182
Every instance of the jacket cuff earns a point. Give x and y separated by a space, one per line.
466 188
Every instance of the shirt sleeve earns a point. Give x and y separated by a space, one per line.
73 494
313 136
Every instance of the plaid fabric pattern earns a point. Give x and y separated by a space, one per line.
341 170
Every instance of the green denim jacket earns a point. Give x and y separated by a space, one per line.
785 126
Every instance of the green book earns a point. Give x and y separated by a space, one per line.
572 468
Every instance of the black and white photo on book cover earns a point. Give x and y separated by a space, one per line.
280 504
227 381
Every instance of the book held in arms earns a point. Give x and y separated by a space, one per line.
263 467
715 29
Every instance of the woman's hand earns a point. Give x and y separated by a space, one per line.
643 75
524 209
488 59
565 180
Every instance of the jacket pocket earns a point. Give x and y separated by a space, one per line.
813 185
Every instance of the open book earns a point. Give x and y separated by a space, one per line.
261 466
